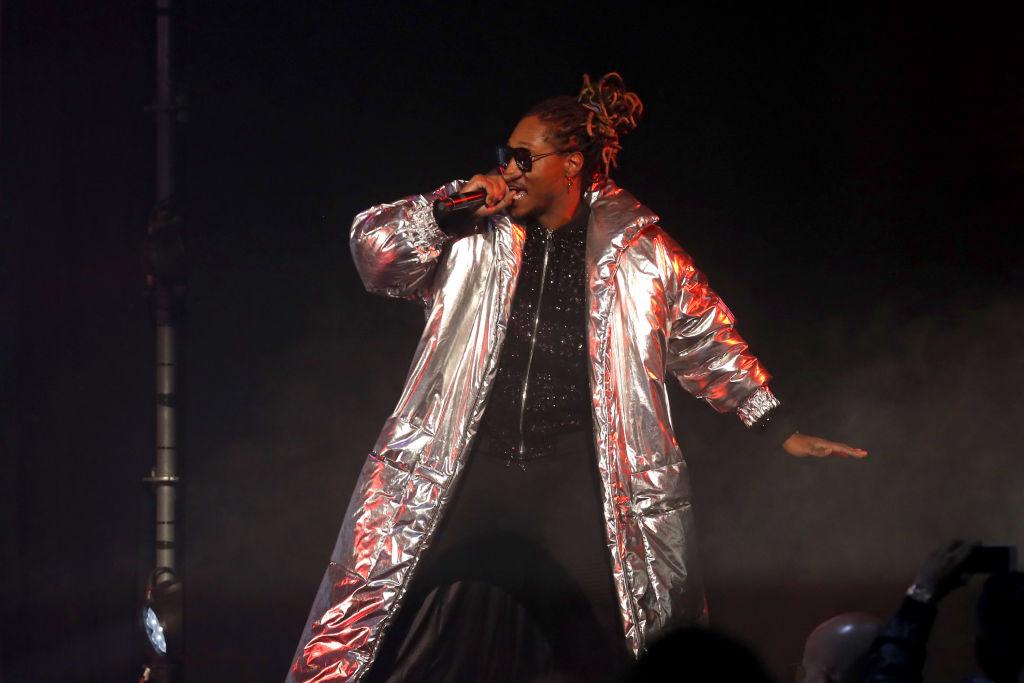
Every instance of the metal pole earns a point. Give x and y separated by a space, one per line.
165 109
165 278
164 476
1 70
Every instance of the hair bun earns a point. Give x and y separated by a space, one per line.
613 111
611 105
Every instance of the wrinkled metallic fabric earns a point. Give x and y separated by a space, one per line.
651 314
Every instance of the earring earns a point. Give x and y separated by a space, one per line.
568 189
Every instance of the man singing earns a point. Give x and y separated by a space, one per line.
525 512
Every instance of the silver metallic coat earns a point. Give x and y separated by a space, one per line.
651 314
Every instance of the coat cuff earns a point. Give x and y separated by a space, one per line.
757 406
423 233
766 414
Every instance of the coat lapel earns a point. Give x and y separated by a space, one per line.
616 217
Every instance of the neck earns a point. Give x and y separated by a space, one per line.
561 212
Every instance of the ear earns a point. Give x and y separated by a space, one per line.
573 164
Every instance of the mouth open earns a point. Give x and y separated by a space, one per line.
517 193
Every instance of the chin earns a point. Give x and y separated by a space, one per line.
518 211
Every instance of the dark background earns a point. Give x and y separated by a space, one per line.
850 183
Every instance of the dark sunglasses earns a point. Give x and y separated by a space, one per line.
524 160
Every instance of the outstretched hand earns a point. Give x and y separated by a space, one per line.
803 445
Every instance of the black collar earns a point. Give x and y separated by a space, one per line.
575 229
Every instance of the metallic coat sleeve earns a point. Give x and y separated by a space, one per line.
706 353
396 246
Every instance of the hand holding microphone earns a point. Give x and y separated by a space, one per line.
484 195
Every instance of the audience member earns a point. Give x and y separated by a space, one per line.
898 654
697 655
837 650
999 643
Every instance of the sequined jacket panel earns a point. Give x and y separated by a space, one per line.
649 315
542 387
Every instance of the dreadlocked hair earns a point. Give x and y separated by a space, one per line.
592 122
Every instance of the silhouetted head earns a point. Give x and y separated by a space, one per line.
696 655
836 651
999 646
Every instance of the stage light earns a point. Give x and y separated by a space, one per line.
161 614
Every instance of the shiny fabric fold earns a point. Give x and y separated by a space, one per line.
650 315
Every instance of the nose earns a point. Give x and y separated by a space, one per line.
511 172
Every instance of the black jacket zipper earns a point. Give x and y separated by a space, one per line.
529 357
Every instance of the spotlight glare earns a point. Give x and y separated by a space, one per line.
160 616
155 632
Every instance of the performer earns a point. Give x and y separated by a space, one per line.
526 509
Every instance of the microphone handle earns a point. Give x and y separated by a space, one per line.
460 202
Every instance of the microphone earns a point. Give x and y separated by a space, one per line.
459 202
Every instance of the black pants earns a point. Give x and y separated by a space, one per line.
518 585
